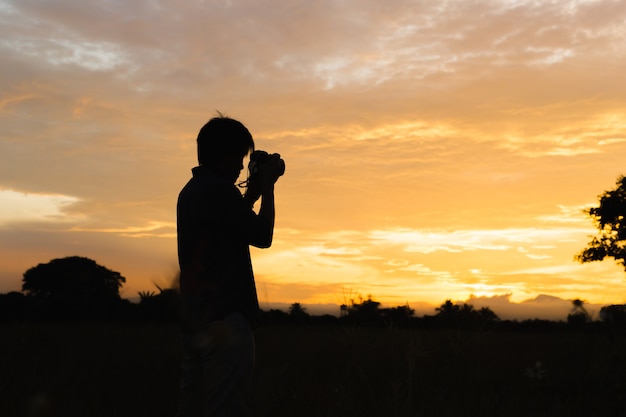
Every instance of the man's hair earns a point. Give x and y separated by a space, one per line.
222 137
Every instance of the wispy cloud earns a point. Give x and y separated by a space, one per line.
152 229
21 207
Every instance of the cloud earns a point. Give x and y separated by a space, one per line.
152 229
19 207
93 56
424 241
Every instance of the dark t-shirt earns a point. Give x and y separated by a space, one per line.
215 229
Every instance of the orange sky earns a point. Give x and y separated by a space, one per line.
434 150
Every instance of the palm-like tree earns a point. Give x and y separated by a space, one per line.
296 310
578 307
579 313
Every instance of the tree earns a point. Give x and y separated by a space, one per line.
609 218
614 315
579 314
578 307
72 277
614 318
13 305
366 312
447 308
296 310
398 316
486 315
162 307
450 314
297 313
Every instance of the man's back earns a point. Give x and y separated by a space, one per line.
214 231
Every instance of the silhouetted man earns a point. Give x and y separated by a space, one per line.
216 225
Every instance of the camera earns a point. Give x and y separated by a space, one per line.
261 161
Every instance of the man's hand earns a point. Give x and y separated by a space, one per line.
271 170
261 183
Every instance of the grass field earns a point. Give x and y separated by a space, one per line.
119 370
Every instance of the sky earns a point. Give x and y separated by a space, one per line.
434 149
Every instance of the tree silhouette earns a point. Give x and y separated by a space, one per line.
454 315
73 287
72 276
614 319
297 313
614 315
579 314
486 315
145 295
365 312
162 307
13 305
609 218
398 316
296 309
578 307
448 309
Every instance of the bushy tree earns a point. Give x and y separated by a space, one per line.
163 306
74 288
460 315
614 319
298 314
614 315
74 277
610 219
399 316
13 305
579 315
364 312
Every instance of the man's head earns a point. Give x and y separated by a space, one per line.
222 145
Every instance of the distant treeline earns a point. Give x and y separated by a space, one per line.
78 289
164 307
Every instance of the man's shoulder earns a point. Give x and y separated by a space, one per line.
208 186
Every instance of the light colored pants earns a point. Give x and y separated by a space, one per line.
217 366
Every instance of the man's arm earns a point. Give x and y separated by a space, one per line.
263 188
268 212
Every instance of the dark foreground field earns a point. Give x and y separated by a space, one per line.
117 370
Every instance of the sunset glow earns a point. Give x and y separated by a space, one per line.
434 150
